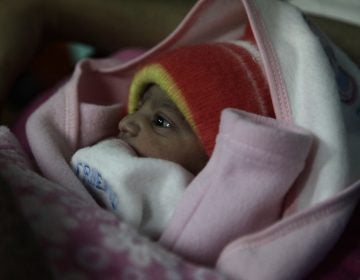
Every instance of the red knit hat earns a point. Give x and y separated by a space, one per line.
202 80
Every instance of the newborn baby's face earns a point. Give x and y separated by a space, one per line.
157 129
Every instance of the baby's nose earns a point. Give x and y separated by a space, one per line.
129 126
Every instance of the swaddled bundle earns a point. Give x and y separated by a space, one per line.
200 81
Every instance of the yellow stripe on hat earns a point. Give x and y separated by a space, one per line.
157 74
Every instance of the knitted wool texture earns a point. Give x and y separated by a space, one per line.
202 80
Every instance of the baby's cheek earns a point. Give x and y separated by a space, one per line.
151 147
195 157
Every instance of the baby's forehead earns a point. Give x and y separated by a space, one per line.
158 97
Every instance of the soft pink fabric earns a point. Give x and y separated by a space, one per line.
259 240
81 240
255 159
304 238
18 128
342 262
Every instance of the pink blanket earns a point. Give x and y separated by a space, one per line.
81 240
279 231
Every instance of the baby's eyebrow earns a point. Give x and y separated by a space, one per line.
171 106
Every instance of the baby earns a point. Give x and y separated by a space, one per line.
174 108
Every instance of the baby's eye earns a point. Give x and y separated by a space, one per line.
161 122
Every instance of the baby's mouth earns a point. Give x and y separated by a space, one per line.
128 145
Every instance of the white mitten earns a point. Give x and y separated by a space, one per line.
142 191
